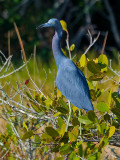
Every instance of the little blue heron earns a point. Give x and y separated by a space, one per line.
70 80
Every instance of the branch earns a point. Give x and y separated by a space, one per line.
12 72
91 41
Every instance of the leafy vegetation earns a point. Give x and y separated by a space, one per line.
36 124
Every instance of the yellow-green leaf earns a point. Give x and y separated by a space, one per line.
48 102
102 107
62 130
84 120
111 131
83 60
65 149
59 94
64 25
96 77
36 108
73 135
25 126
27 135
72 47
46 137
110 97
90 84
103 61
64 51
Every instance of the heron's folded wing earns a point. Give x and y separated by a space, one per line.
73 85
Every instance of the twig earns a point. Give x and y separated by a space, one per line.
44 80
104 43
25 59
7 61
67 42
91 42
5 154
20 41
14 130
113 70
13 71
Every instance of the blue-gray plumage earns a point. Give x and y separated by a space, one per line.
70 80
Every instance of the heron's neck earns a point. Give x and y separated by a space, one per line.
56 47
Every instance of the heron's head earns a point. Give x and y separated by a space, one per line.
55 23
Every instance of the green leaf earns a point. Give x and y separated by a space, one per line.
102 107
84 120
116 99
95 156
83 60
91 115
55 149
27 135
116 111
103 143
99 92
63 104
111 131
60 122
106 117
46 137
62 110
65 149
93 67
75 121
73 135
93 94
37 140
102 128
51 132
92 157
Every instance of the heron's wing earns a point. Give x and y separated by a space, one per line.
73 85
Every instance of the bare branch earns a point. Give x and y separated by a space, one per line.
91 42
104 43
13 71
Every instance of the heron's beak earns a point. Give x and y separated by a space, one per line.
42 25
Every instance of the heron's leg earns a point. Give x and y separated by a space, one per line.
69 115
80 125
